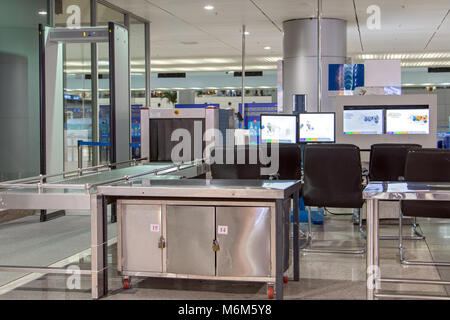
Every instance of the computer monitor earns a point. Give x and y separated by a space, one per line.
317 127
363 120
408 120
280 128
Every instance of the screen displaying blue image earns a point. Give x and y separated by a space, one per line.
345 77
104 117
136 129
254 127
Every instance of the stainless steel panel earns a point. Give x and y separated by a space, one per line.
201 188
433 191
140 232
190 234
52 201
287 221
245 248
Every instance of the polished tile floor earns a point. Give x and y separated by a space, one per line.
323 276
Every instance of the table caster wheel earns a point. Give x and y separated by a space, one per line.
126 283
285 279
270 294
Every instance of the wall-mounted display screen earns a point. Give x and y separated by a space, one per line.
363 121
345 77
278 129
408 121
317 127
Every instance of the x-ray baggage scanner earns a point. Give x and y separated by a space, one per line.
158 126
51 70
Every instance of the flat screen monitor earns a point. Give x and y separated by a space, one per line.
360 120
278 128
317 127
408 120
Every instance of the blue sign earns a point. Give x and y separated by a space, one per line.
254 110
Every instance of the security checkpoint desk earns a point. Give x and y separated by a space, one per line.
373 193
200 229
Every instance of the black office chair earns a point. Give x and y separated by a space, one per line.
240 167
289 160
387 160
425 165
332 178
387 163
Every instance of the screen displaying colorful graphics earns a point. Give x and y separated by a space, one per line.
345 77
363 121
278 129
254 127
317 127
408 121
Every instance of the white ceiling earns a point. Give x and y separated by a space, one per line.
183 29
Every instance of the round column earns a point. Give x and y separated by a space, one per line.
300 55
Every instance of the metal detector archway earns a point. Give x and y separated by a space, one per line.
51 70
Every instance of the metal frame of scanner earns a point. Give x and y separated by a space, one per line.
209 116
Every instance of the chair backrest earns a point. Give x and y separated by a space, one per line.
290 162
332 176
427 165
387 160
236 170
289 167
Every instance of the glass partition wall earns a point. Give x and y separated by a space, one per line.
19 87
86 80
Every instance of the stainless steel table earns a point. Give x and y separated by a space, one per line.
222 194
376 191
77 190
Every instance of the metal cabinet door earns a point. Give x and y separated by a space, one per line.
243 234
190 235
140 232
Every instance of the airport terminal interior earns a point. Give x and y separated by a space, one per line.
224 150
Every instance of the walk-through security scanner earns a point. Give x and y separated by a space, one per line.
52 90
158 126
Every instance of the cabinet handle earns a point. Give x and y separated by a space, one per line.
215 246
162 243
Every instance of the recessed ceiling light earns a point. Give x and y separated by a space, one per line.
208 7
267 48
42 12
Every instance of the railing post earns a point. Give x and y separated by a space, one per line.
80 155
